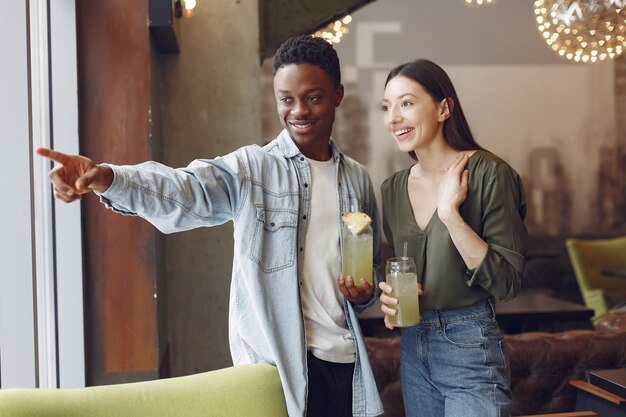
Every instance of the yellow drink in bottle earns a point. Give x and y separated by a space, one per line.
357 257
402 277
405 290
357 247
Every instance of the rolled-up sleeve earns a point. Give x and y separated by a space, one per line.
503 229
205 193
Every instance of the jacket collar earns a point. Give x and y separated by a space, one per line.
289 148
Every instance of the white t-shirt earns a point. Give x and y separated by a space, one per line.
328 337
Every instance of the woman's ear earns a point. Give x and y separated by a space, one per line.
446 107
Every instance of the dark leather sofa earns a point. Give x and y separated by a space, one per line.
542 364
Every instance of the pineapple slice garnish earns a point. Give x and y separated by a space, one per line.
356 221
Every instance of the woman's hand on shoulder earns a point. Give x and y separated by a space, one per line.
453 189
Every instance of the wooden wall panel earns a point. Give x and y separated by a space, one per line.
120 273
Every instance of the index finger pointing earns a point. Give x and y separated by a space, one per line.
59 157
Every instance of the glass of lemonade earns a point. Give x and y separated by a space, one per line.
401 275
357 253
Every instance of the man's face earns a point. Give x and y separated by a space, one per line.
306 100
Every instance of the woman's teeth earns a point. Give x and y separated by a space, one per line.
402 131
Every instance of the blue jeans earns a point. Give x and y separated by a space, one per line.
455 364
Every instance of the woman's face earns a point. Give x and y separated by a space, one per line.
411 115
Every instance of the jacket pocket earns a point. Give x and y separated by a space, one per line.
274 240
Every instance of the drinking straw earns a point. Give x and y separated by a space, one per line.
404 250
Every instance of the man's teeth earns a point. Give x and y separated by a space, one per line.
299 126
402 131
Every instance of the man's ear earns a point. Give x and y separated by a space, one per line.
338 95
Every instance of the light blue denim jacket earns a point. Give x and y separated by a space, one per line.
265 192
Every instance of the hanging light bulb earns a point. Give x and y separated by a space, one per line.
334 31
583 31
182 8
474 3
190 5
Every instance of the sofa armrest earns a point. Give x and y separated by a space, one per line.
242 390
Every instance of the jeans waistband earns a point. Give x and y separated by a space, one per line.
480 310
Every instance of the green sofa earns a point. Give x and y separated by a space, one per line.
244 390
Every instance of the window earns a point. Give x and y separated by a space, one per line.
41 313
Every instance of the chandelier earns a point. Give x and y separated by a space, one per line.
587 31
334 31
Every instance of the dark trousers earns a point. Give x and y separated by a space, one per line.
330 388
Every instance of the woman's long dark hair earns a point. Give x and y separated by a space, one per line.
435 81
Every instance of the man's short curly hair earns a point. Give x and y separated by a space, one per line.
308 50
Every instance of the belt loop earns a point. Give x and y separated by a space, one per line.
492 305
440 321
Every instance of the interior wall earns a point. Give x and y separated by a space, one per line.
209 106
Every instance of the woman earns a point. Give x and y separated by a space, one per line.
460 210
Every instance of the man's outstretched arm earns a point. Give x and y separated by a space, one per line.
76 175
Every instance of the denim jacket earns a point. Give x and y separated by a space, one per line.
265 192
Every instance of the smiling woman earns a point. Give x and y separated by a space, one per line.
460 212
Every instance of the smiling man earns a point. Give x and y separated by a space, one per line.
289 306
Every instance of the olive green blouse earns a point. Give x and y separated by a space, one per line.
494 208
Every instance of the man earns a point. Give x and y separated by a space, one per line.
287 307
